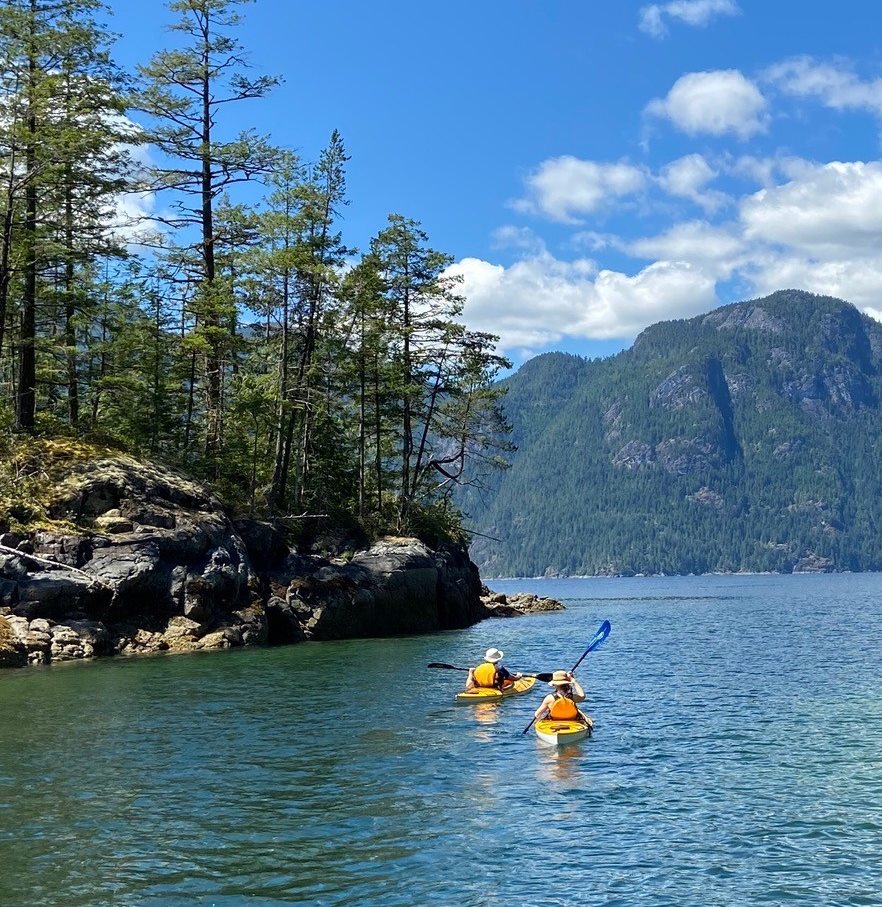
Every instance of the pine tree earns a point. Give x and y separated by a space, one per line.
184 92
61 137
448 411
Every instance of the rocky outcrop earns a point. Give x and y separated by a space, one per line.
706 497
42 640
814 563
497 604
152 563
745 317
13 653
680 389
396 586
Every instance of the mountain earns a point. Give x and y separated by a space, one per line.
746 439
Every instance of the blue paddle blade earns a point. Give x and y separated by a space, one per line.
600 635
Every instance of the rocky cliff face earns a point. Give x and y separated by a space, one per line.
743 439
148 561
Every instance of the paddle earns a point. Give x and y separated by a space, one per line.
599 637
440 664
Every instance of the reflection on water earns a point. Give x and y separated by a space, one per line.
736 760
486 712
566 767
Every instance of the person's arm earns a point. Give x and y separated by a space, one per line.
470 680
578 692
546 705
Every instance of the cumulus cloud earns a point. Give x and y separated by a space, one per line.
834 86
815 226
697 13
716 250
831 209
688 177
131 213
858 282
566 188
540 299
719 102
819 230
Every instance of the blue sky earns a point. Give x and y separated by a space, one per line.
593 166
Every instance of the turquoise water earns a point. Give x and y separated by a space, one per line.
737 760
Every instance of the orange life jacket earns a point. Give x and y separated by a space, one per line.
485 675
563 709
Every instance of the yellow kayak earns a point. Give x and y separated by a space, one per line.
486 694
557 733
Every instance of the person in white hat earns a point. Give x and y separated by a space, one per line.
560 704
490 673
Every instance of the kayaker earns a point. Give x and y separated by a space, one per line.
490 673
560 704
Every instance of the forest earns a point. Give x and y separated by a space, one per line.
234 334
746 439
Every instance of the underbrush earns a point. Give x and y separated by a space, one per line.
30 470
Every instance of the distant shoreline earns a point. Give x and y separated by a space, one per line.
586 576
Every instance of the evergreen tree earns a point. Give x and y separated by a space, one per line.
62 130
185 90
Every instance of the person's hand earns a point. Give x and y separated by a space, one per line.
571 676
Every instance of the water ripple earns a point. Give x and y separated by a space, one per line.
737 760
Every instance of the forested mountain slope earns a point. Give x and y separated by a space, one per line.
744 439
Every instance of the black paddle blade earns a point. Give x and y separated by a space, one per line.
446 667
543 677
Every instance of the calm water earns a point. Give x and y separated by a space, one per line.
737 760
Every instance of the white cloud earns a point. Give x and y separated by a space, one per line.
716 250
564 188
713 103
820 230
815 226
540 299
131 213
697 13
834 86
512 237
833 209
687 177
858 282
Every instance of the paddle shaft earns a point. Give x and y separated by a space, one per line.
544 677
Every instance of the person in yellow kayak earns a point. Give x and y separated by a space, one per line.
560 704
490 673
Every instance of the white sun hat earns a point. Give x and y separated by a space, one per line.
493 655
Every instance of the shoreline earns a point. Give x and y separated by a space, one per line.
587 576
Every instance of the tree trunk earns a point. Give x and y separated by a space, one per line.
214 363
361 418
283 438
407 428
378 434
27 358
70 339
